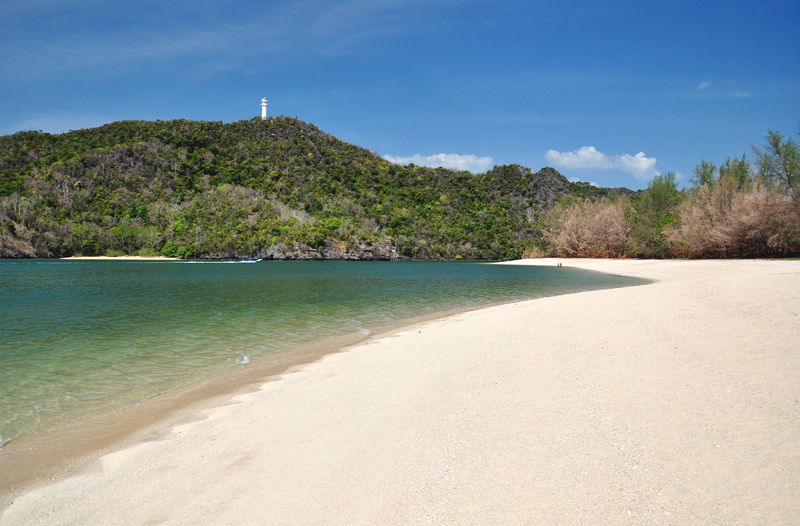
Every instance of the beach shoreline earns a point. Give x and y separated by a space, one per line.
65 450
675 402
61 451
119 258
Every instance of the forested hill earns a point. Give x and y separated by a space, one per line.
278 188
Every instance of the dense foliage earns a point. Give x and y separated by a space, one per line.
281 188
276 188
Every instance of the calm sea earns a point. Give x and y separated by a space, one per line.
79 338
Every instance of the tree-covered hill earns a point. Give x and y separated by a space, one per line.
278 188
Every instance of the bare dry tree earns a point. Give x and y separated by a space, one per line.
588 229
728 222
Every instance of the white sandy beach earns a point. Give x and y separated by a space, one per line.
676 402
122 258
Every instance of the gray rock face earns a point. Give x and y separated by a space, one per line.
299 252
15 248
546 187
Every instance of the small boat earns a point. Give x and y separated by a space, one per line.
251 260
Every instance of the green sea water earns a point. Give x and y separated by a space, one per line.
79 338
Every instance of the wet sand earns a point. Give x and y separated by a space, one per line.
670 403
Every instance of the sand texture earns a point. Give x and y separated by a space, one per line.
676 402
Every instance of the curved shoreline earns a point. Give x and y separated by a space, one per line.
118 258
64 450
673 402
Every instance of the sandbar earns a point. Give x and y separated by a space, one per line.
120 258
676 402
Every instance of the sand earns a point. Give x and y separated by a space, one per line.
676 402
121 258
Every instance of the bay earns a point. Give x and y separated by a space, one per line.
80 338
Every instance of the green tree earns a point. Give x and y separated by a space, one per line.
653 212
737 170
124 237
778 163
148 236
83 237
705 173
169 249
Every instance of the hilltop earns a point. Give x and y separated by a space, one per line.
278 188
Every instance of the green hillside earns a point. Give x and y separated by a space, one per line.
279 188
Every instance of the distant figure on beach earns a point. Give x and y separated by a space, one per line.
559 264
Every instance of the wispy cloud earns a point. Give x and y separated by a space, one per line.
471 163
730 95
297 28
81 52
579 180
587 157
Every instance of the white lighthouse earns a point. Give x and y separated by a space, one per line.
263 109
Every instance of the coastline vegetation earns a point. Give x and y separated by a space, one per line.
277 188
739 209
281 188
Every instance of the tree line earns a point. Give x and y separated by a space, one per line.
741 208
283 188
275 187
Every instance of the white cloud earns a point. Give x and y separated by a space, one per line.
585 157
639 165
470 163
703 85
578 180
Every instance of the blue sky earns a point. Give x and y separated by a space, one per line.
609 92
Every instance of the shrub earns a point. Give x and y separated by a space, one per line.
588 229
533 253
169 249
728 221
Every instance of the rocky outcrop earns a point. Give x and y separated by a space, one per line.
16 248
543 188
298 252
547 186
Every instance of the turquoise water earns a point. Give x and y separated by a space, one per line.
85 337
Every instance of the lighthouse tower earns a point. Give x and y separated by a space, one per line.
263 109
